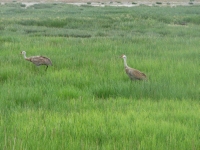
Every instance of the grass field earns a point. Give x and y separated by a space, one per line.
86 100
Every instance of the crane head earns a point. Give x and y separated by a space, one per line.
23 52
123 56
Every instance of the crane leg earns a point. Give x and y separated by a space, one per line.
46 68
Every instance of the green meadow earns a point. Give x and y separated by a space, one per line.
85 101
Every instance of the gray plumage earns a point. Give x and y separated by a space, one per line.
38 60
133 73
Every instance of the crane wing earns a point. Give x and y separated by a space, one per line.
139 75
40 60
47 60
135 74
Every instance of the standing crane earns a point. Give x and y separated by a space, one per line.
133 73
38 60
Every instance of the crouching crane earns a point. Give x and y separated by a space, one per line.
133 73
38 60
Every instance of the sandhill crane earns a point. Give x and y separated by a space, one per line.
38 60
133 73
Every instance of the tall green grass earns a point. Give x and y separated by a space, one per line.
85 100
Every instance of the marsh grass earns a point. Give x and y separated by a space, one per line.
86 100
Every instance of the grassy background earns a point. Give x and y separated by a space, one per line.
85 100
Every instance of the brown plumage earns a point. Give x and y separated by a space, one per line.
133 73
38 60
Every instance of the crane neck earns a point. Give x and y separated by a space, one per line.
125 63
25 55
